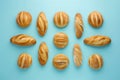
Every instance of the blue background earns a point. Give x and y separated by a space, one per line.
9 53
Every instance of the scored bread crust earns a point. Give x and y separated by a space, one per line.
97 40
24 60
42 24
61 19
77 55
23 40
24 19
95 19
43 53
95 61
60 40
60 61
78 25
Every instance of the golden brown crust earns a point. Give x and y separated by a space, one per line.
24 19
78 25
95 19
95 61
97 40
60 61
42 24
77 54
23 40
43 53
60 40
61 19
24 60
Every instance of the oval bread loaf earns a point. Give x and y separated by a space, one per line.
42 24
78 25
60 40
24 60
43 53
95 61
61 19
23 40
24 19
77 55
60 61
95 19
97 40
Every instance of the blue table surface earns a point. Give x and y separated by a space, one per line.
9 53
